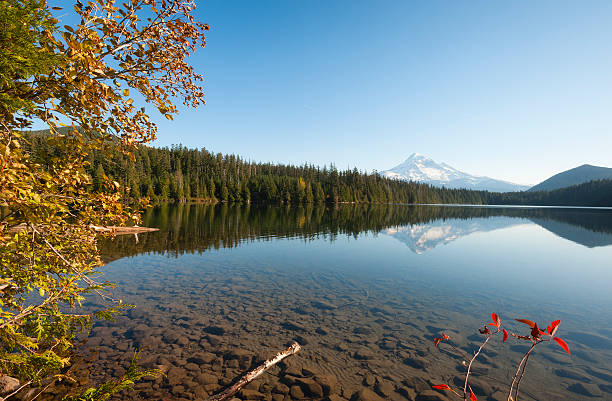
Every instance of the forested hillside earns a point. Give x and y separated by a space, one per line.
182 174
593 193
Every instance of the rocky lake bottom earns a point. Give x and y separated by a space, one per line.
204 318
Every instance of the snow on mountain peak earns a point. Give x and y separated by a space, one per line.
420 168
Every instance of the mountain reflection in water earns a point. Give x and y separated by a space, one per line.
194 228
423 237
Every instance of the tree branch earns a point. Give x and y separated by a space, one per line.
252 375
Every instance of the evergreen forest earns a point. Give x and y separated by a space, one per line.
181 174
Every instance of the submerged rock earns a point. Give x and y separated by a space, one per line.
329 383
202 358
280 388
294 326
364 354
334 397
8 385
384 388
175 376
366 395
430 395
215 330
417 383
416 362
363 330
292 368
407 392
590 390
206 378
369 380
480 387
251 394
319 304
296 392
311 388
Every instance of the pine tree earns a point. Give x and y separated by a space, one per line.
224 193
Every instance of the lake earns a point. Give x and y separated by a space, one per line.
364 289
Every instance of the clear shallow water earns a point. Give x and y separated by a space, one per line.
364 289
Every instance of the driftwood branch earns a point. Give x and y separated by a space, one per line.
99 229
253 374
123 230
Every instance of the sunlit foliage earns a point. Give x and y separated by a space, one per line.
82 76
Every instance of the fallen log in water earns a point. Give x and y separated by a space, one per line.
123 230
100 229
253 374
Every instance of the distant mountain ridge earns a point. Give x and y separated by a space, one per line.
419 168
575 176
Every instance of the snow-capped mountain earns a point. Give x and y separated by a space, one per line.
423 169
422 237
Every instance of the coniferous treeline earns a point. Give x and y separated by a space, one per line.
592 193
183 174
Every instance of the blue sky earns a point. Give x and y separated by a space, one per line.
516 90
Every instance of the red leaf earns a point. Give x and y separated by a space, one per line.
562 344
527 322
437 341
536 332
445 337
472 395
496 319
441 387
505 336
552 329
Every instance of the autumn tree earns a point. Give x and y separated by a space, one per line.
80 81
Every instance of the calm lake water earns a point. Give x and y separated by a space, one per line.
364 289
